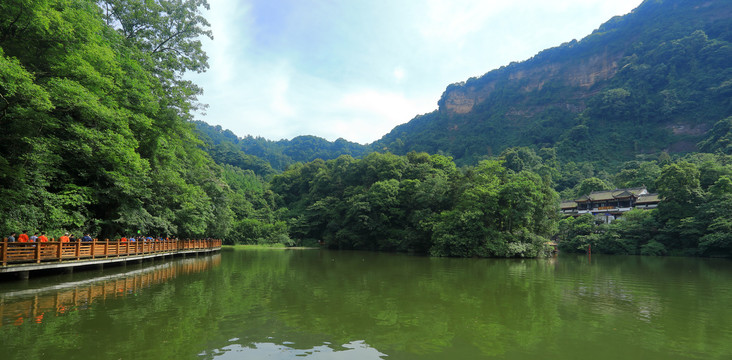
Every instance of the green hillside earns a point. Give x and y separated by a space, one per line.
651 81
252 152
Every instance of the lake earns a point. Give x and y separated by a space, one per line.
318 304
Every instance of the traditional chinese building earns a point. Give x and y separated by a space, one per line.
610 204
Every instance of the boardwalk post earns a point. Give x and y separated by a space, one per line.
93 248
78 249
5 251
38 252
60 251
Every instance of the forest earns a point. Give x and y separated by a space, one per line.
94 113
693 219
98 135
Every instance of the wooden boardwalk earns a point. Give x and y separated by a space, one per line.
23 257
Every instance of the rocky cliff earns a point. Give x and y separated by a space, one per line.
581 74
625 89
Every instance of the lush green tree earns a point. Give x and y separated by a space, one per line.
586 186
420 203
716 218
578 233
93 110
638 174
719 138
628 234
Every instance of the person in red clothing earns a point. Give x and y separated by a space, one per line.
123 239
23 237
43 237
64 238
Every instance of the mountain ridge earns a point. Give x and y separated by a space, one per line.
654 80
538 102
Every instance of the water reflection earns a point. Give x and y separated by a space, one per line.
334 305
354 350
36 303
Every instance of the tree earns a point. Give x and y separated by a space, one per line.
719 138
586 186
94 134
716 217
680 189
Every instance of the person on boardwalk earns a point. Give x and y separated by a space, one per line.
43 237
23 237
72 238
64 238
11 238
34 238
86 237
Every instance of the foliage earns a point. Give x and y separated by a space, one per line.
719 139
420 203
694 217
93 110
279 154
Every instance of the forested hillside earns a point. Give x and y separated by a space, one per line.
279 154
649 82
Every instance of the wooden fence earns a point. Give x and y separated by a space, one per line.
55 251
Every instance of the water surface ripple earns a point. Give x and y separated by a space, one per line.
312 304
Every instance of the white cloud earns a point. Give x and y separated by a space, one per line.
280 98
379 112
399 74
448 20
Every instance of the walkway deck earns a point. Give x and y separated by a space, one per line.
24 257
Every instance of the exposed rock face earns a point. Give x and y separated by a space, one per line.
461 101
653 80
582 74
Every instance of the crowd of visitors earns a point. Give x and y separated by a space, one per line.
67 237
23 237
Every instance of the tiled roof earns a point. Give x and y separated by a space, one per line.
648 198
567 205
613 194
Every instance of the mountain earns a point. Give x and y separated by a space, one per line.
249 152
652 81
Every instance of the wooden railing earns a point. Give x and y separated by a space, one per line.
17 252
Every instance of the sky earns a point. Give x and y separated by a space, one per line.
355 69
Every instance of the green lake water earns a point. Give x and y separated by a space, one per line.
313 304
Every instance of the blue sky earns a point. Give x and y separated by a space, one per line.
355 69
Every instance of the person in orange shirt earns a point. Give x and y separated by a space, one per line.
43 237
23 237
123 239
64 238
